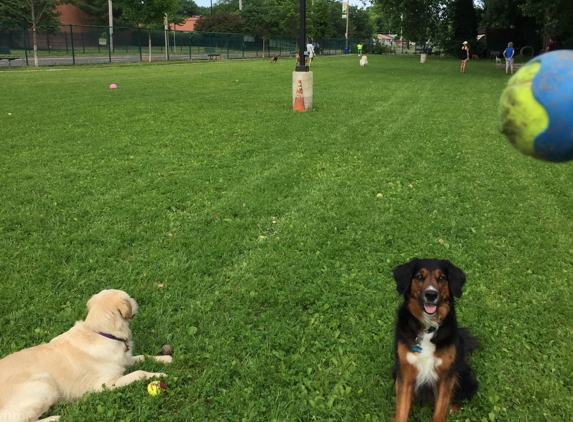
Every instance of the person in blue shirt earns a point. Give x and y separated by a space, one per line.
508 54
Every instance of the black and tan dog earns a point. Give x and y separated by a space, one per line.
274 59
431 350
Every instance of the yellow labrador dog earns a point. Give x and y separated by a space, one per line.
92 354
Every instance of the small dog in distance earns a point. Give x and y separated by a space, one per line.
363 61
274 59
475 57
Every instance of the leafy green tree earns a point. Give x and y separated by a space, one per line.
289 12
225 6
338 24
38 9
319 24
187 8
148 13
414 19
378 20
534 20
463 19
360 25
221 22
19 11
260 18
40 15
555 18
97 12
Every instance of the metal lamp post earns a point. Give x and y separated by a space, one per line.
110 10
301 66
302 78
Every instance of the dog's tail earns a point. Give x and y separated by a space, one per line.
470 342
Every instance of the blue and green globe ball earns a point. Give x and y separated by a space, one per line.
536 107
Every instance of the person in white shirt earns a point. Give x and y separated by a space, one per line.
310 51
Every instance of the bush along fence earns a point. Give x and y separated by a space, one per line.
73 44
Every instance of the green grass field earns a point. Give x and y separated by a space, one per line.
267 230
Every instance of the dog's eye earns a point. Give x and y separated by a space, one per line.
441 278
419 277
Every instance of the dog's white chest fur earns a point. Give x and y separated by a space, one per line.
426 362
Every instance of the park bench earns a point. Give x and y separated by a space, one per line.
5 55
210 51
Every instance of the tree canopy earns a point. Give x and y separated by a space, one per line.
221 22
20 11
148 13
261 18
448 21
541 18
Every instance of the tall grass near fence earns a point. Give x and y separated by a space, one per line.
274 233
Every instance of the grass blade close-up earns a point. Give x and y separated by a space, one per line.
274 233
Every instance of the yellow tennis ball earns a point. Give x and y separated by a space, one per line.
155 388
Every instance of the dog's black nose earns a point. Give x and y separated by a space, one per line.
431 295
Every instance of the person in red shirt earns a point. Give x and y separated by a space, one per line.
552 45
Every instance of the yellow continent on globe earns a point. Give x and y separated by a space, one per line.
522 116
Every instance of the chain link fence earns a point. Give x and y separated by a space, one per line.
76 44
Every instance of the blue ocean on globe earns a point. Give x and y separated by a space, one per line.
552 86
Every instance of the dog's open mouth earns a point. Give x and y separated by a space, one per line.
430 308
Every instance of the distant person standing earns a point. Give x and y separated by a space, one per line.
465 56
552 45
310 51
359 47
508 54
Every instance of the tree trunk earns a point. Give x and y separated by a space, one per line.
34 36
149 37
546 34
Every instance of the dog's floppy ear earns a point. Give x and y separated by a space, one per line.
403 275
456 278
91 302
124 309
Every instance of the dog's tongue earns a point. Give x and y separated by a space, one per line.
429 308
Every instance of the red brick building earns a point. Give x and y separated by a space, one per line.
188 25
71 15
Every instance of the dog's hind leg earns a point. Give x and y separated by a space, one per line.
30 401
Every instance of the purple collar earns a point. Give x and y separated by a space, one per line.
106 335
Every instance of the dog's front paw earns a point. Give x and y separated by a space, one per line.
157 375
164 359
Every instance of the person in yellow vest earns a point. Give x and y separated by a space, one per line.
359 46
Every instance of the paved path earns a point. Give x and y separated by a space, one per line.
68 60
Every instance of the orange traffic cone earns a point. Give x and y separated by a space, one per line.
299 99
